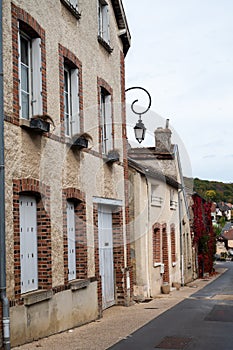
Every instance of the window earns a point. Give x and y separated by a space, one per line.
71 101
105 121
173 203
73 3
156 199
30 76
71 241
103 25
28 244
72 6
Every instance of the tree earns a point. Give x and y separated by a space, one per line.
210 195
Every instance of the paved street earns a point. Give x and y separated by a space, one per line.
120 323
203 321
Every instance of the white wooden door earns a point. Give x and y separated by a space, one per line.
71 241
28 244
106 255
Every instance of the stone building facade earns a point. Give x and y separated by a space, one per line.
66 165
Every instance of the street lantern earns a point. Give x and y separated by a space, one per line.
139 129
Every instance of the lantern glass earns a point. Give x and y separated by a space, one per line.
139 131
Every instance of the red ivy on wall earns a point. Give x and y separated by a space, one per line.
204 236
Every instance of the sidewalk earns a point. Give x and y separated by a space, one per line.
118 322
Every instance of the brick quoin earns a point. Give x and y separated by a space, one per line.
166 277
67 57
41 192
31 27
78 198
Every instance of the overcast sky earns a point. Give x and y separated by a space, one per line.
182 53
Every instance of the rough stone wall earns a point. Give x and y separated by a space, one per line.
49 158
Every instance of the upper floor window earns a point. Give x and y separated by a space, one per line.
30 76
106 121
71 101
156 198
173 201
72 6
104 25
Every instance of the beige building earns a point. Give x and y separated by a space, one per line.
65 163
161 243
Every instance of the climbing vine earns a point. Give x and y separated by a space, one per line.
204 236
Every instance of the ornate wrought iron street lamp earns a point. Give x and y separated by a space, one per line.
139 129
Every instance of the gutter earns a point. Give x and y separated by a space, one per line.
4 300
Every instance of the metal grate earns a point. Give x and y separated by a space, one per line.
174 343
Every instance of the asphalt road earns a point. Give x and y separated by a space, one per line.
203 321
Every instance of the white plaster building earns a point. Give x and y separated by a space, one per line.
161 243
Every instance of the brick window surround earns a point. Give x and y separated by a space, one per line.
173 243
41 192
67 57
102 84
30 26
78 198
118 256
156 231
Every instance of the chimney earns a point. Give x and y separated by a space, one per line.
163 138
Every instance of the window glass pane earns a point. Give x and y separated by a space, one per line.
65 81
67 125
66 101
24 50
25 105
24 78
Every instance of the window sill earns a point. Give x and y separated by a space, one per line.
35 124
24 122
79 284
37 296
72 9
107 47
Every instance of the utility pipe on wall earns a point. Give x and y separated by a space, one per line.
4 300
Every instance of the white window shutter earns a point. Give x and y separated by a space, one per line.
28 244
36 77
105 24
75 121
71 241
108 122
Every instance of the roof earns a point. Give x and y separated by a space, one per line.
228 235
150 158
223 206
122 24
153 173
151 152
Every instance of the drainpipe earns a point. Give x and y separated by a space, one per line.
4 300
148 262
